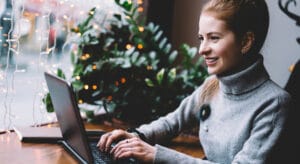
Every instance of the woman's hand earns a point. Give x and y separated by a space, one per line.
136 148
107 139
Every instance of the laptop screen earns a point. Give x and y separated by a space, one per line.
68 115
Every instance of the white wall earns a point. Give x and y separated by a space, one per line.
280 50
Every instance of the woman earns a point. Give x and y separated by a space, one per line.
241 112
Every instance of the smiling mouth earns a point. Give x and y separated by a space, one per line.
211 61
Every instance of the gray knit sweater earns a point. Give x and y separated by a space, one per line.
246 119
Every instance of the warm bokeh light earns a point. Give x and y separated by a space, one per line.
141 29
140 9
123 80
116 83
128 46
139 2
140 46
109 98
94 87
149 67
80 101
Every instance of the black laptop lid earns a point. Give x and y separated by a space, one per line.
68 116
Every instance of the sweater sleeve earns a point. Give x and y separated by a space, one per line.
267 128
169 126
166 155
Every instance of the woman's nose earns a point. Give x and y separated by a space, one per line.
204 48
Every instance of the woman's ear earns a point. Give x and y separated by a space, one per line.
247 42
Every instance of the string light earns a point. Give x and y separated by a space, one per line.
140 9
149 67
86 87
140 46
92 13
128 46
68 16
139 2
109 98
80 101
116 83
12 45
141 29
94 87
123 80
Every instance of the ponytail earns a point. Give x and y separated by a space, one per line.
209 89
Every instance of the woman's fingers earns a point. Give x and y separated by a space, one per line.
124 148
107 139
135 148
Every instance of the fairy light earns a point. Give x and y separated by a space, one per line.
69 16
86 87
12 45
77 77
96 27
140 9
65 17
87 56
149 67
139 2
128 46
140 46
123 80
80 101
91 12
109 98
141 29
116 83
94 87
94 67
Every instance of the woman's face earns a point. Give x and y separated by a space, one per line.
218 45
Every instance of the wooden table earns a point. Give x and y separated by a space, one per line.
12 151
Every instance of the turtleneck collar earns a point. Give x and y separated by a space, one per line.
245 80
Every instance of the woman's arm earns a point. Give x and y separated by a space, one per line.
169 126
267 129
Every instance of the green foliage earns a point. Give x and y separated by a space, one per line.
47 99
131 69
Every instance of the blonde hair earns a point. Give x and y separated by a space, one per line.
209 89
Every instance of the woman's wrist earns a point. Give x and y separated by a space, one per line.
137 133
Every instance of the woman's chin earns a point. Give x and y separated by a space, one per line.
212 71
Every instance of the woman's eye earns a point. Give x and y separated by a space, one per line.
200 38
215 38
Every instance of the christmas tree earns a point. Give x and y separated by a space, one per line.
130 68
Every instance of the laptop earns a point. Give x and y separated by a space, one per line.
75 139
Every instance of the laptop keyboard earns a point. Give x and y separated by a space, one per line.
104 158
100 157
